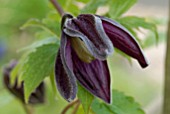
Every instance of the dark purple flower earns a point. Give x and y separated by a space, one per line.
86 42
36 97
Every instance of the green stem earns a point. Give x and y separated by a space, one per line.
166 107
58 7
69 106
76 108
28 109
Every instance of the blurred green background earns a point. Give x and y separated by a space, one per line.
145 85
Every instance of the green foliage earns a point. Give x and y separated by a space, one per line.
121 104
85 97
39 43
14 14
83 1
149 41
92 6
134 22
36 64
70 6
119 7
37 23
40 63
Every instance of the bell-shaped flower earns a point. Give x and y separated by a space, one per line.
86 42
18 90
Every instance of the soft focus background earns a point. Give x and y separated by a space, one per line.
146 85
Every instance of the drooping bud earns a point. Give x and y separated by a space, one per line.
123 40
36 97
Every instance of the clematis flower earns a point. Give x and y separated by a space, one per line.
86 42
36 97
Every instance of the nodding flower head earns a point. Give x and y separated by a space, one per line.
86 42
18 90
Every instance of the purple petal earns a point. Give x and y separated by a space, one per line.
65 79
123 40
89 28
94 76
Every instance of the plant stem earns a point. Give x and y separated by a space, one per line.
58 7
76 108
27 108
69 106
166 106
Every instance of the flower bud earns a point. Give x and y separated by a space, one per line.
36 97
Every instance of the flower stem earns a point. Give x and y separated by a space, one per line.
69 106
28 109
76 108
58 7
166 107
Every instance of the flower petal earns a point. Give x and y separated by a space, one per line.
89 28
65 79
94 76
123 40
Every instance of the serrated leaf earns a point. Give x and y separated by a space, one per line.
39 65
137 22
85 98
39 24
119 7
121 104
93 5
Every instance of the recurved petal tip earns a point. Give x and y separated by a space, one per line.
143 62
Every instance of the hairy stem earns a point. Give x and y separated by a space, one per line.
69 106
58 7
166 107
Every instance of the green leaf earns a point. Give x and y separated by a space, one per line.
83 1
39 24
93 5
73 9
39 43
52 21
121 104
39 64
119 7
137 22
85 97
149 41
18 69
